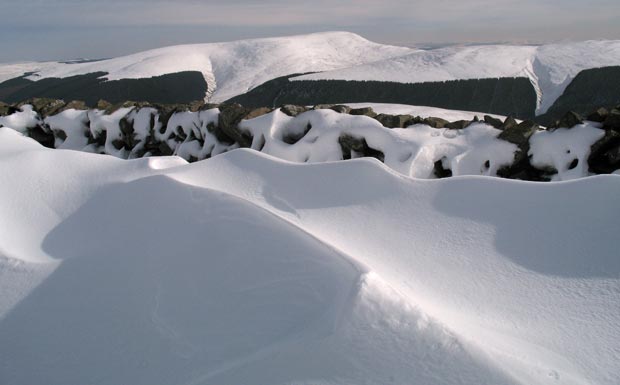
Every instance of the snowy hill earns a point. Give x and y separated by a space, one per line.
230 68
550 68
234 68
245 269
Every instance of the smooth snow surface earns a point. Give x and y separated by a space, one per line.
245 269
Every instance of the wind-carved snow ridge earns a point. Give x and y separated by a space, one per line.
248 269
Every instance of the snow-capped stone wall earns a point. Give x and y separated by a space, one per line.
428 147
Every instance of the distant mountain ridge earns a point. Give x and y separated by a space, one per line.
334 65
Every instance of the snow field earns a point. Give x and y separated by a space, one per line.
249 269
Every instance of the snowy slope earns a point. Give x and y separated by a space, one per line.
550 68
234 68
229 68
422 111
247 269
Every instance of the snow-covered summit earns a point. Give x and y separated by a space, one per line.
233 68
230 68
550 67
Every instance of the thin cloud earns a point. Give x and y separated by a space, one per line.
36 28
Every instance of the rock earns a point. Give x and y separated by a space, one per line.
127 132
208 106
569 120
341 108
118 144
366 111
335 107
440 171
416 120
394 121
458 125
44 106
292 110
196 105
518 134
509 123
350 143
164 149
165 113
98 140
322 106
128 104
612 121
74 105
255 113
45 137
7 109
491 121
103 105
598 116
228 129
605 154
574 163
435 122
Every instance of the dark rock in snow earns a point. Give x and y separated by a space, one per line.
336 107
349 143
518 134
341 108
493 121
103 104
164 149
45 137
228 125
521 168
44 106
7 109
509 123
394 121
74 105
458 125
569 120
435 122
605 154
440 171
292 110
612 121
366 111
255 113
598 116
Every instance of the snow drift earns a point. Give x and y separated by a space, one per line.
248 269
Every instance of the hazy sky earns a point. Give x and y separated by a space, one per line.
64 29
